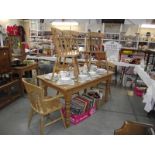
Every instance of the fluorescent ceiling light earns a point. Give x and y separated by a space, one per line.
147 26
61 23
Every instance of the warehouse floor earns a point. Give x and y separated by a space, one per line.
120 107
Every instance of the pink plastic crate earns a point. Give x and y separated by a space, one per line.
138 91
76 119
92 110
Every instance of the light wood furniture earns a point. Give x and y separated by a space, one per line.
66 46
22 69
109 67
102 60
41 104
134 128
69 90
94 41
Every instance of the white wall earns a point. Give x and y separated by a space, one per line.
85 24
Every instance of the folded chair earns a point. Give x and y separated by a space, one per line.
42 105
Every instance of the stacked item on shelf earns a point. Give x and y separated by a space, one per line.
96 96
4 78
132 57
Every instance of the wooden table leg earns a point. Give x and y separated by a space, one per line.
106 91
76 67
21 83
45 88
67 109
107 85
116 75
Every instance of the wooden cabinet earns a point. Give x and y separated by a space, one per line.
4 60
9 92
21 71
9 87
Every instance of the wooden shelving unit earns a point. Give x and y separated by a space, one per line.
9 87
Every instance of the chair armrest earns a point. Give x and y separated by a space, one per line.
133 128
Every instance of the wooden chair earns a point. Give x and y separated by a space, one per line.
66 46
101 60
93 46
135 128
42 105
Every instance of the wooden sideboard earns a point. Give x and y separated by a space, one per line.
5 62
9 87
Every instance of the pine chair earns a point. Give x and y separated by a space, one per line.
66 46
42 105
135 128
93 45
101 60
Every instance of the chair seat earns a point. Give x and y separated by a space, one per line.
54 106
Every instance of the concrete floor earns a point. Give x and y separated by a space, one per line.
120 107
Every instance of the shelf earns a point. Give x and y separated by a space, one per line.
8 84
9 92
151 42
129 41
110 39
111 33
143 42
39 42
128 48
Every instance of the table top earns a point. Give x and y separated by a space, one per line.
77 85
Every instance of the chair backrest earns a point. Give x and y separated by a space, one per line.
100 56
102 60
64 41
94 41
35 95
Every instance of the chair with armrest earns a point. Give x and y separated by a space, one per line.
135 128
42 105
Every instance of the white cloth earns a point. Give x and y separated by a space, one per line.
112 49
143 75
149 97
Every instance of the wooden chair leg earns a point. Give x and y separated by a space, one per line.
30 117
109 90
42 126
62 117
57 93
85 90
